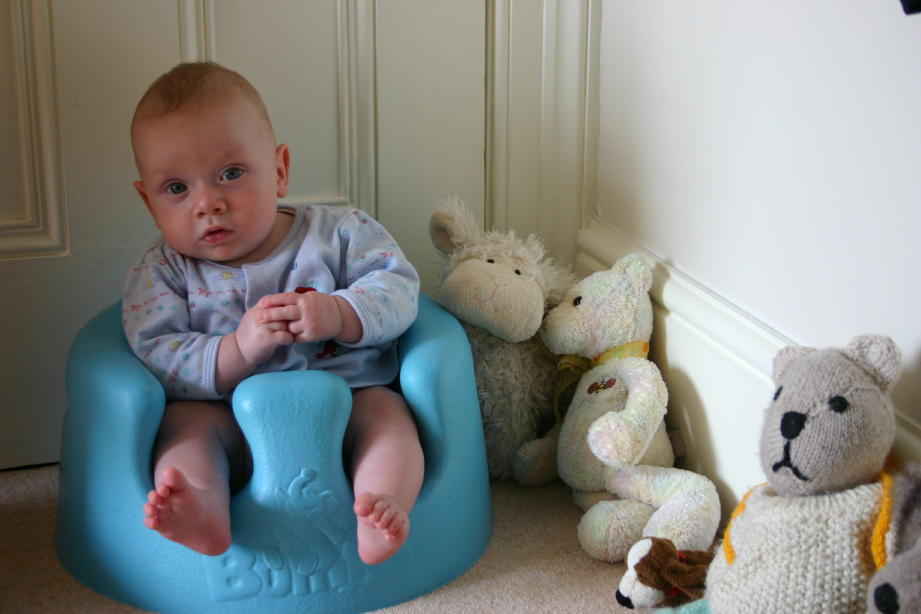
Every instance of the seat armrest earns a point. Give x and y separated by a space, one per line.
114 407
438 382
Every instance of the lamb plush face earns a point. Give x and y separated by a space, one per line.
604 310
494 280
497 288
831 424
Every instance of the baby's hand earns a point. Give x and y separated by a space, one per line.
258 335
310 316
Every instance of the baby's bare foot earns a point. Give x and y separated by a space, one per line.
383 527
198 519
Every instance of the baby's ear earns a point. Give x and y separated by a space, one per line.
453 226
879 356
785 357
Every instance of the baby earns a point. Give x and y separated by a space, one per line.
239 285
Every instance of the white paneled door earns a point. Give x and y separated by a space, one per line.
382 103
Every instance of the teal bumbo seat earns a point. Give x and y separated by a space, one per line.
294 547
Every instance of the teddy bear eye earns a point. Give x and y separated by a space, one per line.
491 260
777 394
517 272
838 404
576 301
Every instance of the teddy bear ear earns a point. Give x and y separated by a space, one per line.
879 356
452 226
785 357
639 268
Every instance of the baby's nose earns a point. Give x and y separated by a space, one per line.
209 202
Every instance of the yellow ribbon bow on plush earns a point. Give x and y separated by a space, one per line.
572 367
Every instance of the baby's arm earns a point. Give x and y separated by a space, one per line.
253 342
376 280
191 364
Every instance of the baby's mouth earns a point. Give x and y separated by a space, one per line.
215 235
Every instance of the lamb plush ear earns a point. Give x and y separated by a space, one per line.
639 268
879 356
452 226
557 282
785 358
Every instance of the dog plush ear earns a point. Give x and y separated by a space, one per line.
453 226
879 356
678 576
687 573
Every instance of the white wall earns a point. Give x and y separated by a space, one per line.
769 155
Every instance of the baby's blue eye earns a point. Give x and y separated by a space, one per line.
232 173
175 188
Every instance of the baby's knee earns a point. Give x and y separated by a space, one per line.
379 400
183 415
379 407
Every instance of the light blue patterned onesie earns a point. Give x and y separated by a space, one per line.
176 309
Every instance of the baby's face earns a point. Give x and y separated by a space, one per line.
211 177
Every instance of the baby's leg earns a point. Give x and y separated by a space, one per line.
199 454
387 466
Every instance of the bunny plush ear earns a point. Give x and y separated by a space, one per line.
638 268
453 226
879 356
785 357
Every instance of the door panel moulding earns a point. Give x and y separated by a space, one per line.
42 232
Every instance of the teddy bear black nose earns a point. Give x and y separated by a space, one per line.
886 599
792 424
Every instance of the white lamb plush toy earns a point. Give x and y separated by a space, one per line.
499 287
612 449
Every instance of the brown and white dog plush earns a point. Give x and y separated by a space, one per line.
659 573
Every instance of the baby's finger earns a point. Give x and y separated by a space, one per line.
277 326
277 300
276 314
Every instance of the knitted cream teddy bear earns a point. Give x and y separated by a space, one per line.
611 447
810 539
499 287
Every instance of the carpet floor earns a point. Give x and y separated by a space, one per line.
533 564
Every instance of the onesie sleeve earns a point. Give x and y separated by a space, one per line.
155 315
377 280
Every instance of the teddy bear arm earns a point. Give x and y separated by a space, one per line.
620 438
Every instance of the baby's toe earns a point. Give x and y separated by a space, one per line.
386 519
364 504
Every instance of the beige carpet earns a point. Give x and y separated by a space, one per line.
534 563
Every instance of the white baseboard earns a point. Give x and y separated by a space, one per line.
716 360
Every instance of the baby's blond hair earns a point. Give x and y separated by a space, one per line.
195 82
